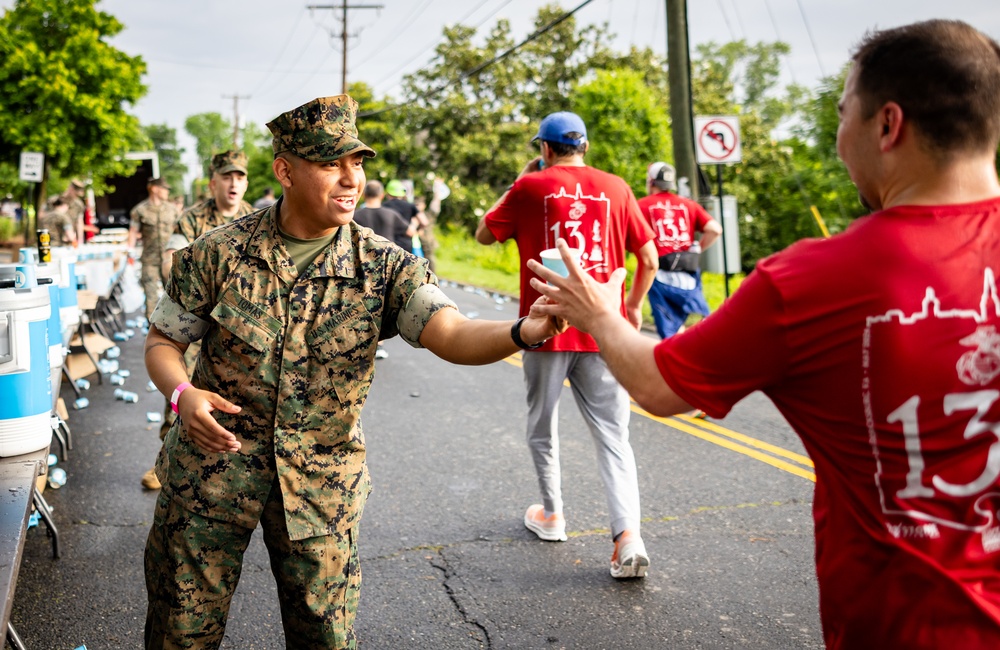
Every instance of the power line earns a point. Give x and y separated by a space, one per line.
281 52
436 42
405 24
500 57
739 19
777 35
811 39
344 7
725 17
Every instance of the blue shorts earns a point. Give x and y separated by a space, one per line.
671 306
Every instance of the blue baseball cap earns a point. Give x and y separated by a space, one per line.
563 127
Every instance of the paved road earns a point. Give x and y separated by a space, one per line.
447 562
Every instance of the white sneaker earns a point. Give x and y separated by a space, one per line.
630 559
551 528
380 353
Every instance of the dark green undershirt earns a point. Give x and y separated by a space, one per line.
304 251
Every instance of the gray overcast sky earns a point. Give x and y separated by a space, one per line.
281 54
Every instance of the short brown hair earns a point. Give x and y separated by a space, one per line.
944 74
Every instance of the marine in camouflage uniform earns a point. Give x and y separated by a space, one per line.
193 223
73 197
61 227
270 433
155 221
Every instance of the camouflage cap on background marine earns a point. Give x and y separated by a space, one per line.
321 130
229 161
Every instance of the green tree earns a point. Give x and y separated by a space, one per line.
257 147
628 126
163 140
212 133
64 89
773 194
474 130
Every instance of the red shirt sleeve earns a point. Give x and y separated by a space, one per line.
701 217
735 351
502 219
638 230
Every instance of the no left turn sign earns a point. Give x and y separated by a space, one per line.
717 139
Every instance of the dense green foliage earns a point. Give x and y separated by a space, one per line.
163 139
64 90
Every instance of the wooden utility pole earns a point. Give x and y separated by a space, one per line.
343 33
679 79
236 117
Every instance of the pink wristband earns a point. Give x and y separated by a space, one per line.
177 394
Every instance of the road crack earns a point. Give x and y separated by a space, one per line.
440 562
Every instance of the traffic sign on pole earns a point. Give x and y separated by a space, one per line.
717 139
32 166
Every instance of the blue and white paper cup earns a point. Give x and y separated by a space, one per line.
552 259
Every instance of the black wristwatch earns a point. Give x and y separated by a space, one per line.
515 335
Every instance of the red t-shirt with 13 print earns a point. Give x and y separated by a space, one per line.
593 211
881 348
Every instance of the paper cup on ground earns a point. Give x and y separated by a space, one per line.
552 259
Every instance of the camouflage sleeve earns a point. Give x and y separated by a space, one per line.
176 322
423 303
192 280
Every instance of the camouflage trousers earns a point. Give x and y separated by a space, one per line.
190 356
151 279
193 565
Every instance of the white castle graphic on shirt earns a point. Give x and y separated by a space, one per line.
976 368
584 225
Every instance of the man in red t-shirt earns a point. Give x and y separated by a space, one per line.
676 292
598 214
880 346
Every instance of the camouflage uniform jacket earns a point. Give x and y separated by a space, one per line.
76 207
199 219
296 352
155 223
57 224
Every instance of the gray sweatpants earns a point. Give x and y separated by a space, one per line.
604 405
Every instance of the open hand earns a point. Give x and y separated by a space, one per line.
578 298
195 409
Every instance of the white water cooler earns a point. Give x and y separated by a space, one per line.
69 306
25 382
56 328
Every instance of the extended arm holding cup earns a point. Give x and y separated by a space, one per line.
595 308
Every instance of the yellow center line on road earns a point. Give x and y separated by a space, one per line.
707 431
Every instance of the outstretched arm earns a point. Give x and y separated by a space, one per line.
457 339
595 308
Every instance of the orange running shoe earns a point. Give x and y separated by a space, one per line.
630 559
551 528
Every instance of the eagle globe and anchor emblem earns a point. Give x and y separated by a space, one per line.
980 366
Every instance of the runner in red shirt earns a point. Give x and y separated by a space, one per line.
676 293
880 347
597 213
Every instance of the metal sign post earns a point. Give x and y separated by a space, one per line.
31 170
717 142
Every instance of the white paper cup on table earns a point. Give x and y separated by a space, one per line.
552 259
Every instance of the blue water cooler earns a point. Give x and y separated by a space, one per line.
25 382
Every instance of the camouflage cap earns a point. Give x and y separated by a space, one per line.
321 130
157 182
229 161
